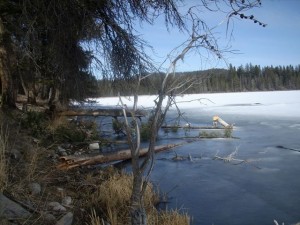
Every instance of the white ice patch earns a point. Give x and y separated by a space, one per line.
268 104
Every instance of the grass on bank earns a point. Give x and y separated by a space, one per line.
113 197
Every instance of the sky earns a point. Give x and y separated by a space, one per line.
276 44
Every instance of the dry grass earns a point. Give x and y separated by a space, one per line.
3 160
113 197
172 217
95 219
57 122
32 158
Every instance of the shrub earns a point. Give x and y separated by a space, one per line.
69 132
145 131
117 126
35 122
175 128
213 134
228 132
73 131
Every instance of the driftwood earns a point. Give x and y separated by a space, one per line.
69 162
116 112
231 159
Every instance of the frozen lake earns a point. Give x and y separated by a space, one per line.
264 188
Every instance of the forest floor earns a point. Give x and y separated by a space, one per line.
32 180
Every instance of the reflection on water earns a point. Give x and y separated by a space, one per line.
263 188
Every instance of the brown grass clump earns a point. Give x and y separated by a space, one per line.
95 219
113 197
32 158
172 217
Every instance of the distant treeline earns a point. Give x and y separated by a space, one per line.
244 78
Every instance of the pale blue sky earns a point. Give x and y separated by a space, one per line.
276 44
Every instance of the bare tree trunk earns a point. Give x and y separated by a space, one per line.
138 213
8 97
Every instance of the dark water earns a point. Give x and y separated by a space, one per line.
264 188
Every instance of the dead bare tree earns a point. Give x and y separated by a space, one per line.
200 37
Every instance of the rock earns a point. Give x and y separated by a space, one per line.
12 210
36 141
49 217
60 190
15 154
67 201
67 219
66 145
61 151
35 188
94 146
53 156
55 206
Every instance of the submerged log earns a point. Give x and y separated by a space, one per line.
69 162
116 112
291 149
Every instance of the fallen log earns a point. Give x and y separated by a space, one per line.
193 127
69 162
116 112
